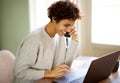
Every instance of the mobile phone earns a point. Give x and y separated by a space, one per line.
67 34
67 39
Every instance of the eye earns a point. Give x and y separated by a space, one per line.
66 25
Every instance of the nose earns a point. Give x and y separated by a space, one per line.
69 29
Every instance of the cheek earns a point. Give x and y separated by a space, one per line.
60 28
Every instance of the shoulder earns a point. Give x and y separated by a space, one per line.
34 37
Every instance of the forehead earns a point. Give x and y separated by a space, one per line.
66 21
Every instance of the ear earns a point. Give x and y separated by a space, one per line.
53 19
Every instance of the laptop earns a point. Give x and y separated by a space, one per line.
99 69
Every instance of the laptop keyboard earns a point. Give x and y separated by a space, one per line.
79 80
72 77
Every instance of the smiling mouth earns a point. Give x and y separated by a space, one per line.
62 33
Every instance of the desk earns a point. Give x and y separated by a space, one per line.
84 62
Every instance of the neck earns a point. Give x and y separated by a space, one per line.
50 29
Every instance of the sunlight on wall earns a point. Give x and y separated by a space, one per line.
105 22
38 13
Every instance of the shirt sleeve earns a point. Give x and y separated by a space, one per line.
72 52
25 61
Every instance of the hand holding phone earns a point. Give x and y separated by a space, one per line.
74 34
71 35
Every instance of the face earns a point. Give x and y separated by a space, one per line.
64 26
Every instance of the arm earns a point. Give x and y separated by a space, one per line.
72 51
25 59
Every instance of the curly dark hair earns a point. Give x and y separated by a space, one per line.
63 10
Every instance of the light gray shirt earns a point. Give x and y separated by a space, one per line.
39 52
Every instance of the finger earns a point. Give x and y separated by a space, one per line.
61 72
64 66
73 32
73 28
64 71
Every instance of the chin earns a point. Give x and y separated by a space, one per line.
60 34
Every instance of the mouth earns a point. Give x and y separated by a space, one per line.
61 33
